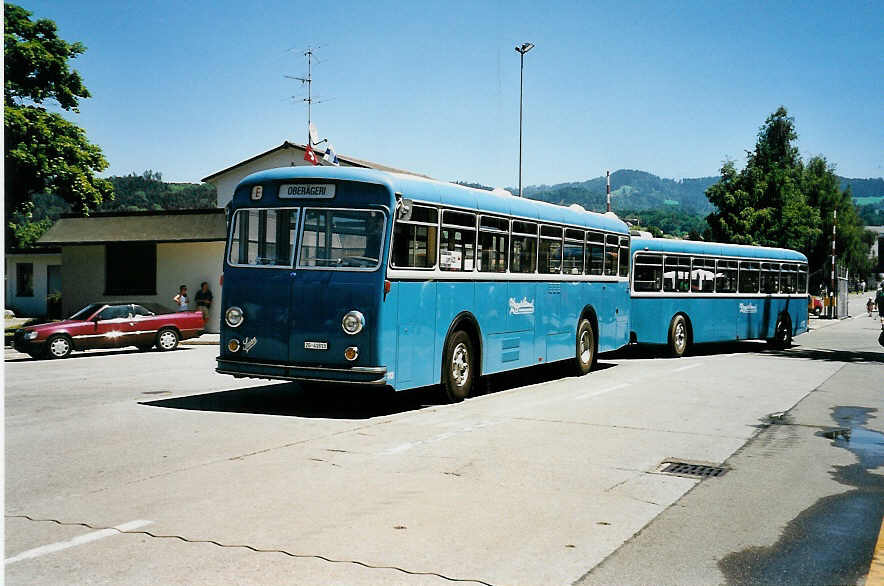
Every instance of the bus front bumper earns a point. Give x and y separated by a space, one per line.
363 375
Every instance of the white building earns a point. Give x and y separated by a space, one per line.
140 257
288 154
31 276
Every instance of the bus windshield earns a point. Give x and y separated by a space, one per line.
341 239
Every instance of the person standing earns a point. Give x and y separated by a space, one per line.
204 300
879 299
181 299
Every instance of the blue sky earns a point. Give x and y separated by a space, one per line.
188 88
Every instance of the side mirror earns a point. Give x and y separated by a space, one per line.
404 209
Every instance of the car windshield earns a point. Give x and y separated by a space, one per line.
341 239
87 311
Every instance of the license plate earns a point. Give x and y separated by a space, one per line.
316 345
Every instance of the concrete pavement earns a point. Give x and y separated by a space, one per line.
536 483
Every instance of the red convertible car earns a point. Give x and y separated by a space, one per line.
110 325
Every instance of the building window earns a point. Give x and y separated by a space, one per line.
24 279
130 269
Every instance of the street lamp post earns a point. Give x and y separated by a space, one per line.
521 49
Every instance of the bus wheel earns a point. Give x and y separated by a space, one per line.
585 358
678 336
782 334
458 367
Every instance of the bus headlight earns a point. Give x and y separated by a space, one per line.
234 317
353 322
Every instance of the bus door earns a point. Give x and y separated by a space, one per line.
522 297
335 274
748 308
259 279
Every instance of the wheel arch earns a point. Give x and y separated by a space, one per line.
467 322
590 314
688 323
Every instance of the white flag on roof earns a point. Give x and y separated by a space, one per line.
330 155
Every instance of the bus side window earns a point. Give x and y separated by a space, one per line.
457 245
675 275
414 242
748 282
624 256
523 258
611 254
595 253
802 279
648 273
573 252
493 244
702 275
550 257
726 277
770 277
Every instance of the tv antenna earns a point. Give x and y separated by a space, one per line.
309 53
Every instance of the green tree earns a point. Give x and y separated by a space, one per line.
764 204
823 189
44 152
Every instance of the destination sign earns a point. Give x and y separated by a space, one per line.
307 191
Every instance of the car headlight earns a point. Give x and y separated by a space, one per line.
32 335
234 317
353 322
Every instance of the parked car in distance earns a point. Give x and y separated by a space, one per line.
110 325
815 305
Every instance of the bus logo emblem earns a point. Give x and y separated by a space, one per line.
523 307
748 308
248 344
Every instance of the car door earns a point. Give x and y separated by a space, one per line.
111 327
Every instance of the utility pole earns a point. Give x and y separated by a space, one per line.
521 50
832 297
608 188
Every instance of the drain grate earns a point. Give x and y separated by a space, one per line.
692 469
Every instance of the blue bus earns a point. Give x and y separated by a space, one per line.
686 292
367 277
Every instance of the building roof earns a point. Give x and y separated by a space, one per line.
164 226
344 160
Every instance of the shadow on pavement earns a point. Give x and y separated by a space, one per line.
707 349
831 355
333 401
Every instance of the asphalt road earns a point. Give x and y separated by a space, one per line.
548 479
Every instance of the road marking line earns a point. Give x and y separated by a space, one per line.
601 391
688 367
79 540
876 570
438 438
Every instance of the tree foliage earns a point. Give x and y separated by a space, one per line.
778 200
764 203
44 152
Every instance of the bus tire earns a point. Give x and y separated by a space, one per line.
585 357
782 334
458 367
678 336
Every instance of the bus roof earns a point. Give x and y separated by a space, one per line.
715 248
443 193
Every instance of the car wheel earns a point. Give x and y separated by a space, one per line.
59 346
678 336
458 367
585 356
167 340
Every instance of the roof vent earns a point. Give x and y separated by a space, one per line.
501 191
576 207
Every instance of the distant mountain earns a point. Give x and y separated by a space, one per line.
638 190
632 190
